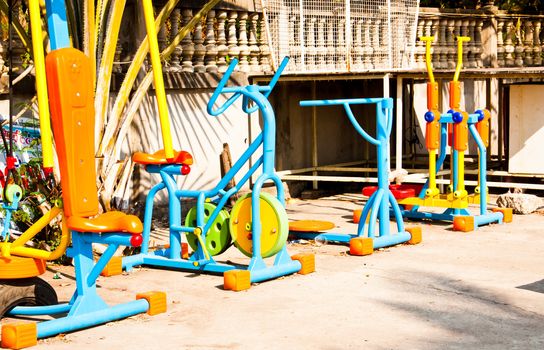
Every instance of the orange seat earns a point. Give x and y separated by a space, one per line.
159 157
112 221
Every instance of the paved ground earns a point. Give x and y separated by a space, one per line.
480 290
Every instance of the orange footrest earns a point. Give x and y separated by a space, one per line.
114 267
415 233
184 251
18 267
307 261
463 223
357 215
156 300
19 335
507 214
361 246
236 280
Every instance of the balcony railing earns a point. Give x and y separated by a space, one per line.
220 36
499 40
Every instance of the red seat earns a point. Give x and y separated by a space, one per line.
159 158
398 191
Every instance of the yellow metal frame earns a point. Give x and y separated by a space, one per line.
41 83
432 191
17 248
443 201
158 78
428 41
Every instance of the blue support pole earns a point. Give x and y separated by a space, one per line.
57 24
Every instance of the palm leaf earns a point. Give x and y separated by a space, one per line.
89 38
100 22
106 64
130 78
134 104
21 32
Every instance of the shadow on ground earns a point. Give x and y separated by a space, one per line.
474 318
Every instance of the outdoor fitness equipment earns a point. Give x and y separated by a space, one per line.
258 222
377 208
69 83
453 127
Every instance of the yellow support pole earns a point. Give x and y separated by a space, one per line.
17 247
432 190
41 84
43 254
158 78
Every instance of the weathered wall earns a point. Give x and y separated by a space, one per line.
526 132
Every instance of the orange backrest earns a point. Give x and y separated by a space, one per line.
71 100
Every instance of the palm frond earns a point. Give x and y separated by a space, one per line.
106 63
130 78
19 29
134 104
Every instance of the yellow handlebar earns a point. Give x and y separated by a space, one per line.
428 41
460 40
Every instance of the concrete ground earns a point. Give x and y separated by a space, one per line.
479 290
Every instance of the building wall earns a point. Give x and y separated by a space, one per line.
526 131
337 140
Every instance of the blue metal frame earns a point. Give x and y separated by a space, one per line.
171 256
379 204
57 24
86 308
484 217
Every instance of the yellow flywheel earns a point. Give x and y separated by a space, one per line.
274 225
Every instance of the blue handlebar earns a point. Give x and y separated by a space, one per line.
237 91
351 101
384 105
220 89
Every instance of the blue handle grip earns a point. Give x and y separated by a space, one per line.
237 91
268 89
221 89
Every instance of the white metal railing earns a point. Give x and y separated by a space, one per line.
342 36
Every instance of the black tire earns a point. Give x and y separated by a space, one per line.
25 292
